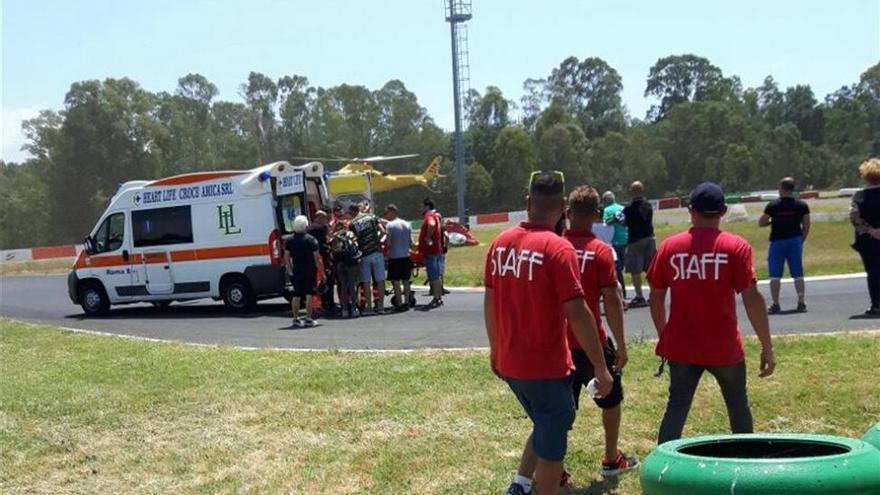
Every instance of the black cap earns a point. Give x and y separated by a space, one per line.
707 198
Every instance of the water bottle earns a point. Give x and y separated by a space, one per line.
593 389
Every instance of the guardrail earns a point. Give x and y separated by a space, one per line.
39 253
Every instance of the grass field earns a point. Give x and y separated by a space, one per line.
88 414
826 252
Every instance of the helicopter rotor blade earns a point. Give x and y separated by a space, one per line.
382 158
320 159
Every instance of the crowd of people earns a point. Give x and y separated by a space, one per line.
347 255
543 293
544 288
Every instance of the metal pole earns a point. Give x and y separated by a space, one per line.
459 149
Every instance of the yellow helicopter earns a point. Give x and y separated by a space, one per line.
361 169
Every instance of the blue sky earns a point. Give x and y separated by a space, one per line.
46 45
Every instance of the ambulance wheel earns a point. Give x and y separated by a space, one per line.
93 298
237 294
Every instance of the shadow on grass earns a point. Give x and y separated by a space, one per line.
605 486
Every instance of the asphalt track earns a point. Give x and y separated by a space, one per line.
834 305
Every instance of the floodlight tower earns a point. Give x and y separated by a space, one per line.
459 12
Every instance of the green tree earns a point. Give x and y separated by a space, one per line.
771 102
563 147
296 99
478 195
487 114
695 137
679 79
24 218
534 100
109 137
616 160
261 95
589 90
515 160
799 108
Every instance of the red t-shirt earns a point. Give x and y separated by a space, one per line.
532 272
704 270
431 218
596 266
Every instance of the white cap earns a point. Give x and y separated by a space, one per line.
300 223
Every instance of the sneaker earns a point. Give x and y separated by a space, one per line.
297 323
516 489
619 465
774 309
637 302
801 307
566 480
309 323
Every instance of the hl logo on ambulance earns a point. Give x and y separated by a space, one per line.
226 218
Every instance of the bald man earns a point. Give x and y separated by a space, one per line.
641 246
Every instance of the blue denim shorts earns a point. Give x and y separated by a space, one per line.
789 250
550 406
373 268
433 264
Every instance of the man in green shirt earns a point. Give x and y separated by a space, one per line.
613 215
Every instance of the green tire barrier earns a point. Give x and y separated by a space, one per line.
873 436
777 464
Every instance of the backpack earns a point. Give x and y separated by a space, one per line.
345 248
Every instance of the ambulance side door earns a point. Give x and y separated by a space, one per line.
109 259
155 234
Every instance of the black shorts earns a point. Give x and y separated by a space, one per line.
583 373
304 284
399 269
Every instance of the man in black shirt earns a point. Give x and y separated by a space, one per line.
641 246
789 221
302 259
320 230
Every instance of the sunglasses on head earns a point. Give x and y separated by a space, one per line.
559 175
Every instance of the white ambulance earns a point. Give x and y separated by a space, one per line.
200 235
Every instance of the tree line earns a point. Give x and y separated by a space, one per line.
704 126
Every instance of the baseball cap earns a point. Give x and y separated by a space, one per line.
707 198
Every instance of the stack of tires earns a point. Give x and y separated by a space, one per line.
765 464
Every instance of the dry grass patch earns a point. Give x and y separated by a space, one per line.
44 267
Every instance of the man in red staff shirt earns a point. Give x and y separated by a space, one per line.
431 248
705 268
532 286
598 277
